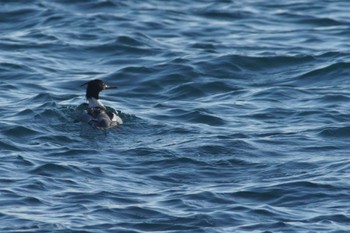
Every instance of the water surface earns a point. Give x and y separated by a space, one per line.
236 116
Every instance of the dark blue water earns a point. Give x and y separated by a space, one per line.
236 116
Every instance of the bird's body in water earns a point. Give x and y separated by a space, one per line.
96 114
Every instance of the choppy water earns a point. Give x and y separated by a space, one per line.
236 116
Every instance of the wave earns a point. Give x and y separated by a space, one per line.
328 75
342 131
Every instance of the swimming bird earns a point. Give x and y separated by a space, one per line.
96 114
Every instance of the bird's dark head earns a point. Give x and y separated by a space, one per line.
94 87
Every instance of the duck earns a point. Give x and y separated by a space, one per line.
96 114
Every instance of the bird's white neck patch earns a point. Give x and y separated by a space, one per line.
93 103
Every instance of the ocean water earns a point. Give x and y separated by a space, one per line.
236 116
